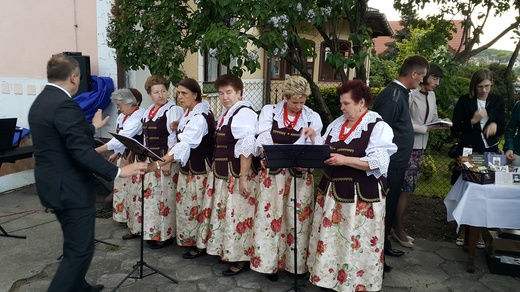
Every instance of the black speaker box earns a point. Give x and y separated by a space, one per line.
85 84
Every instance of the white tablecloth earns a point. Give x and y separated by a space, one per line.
491 206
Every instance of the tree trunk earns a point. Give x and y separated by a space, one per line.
315 91
510 90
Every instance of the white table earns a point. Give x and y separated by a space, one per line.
488 206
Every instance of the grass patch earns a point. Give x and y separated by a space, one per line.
435 176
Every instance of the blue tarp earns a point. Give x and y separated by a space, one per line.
98 98
19 134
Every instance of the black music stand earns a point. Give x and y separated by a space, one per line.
292 156
142 152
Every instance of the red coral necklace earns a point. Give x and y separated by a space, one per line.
126 116
286 122
153 112
342 134
222 119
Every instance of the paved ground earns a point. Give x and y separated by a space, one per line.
29 264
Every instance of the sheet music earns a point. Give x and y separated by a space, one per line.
302 140
440 123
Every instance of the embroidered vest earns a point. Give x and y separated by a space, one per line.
224 154
156 133
203 154
346 181
284 136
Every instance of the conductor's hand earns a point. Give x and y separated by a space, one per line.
510 155
133 169
113 157
98 120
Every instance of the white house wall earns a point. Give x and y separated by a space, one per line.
32 31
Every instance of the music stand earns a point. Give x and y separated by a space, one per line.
142 152
292 156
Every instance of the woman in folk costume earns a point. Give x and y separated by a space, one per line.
128 124
227 218
347 237
274 225
194 150
160 185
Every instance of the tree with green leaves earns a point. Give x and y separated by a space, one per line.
475 15
158 34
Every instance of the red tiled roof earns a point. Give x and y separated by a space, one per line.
379 42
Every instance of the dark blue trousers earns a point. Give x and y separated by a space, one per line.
395 179
78 227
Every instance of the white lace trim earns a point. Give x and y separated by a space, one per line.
264 138
232 110
378 162
246 146
305 118
161 111
335 127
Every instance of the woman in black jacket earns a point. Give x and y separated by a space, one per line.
479 119
478 116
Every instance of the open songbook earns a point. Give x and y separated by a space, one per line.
439 123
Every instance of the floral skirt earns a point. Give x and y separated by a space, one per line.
159 206
191 190
228 230
346 244
413 171
274 229
123 192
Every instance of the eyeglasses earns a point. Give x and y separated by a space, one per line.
487 86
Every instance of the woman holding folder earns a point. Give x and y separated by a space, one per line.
347 236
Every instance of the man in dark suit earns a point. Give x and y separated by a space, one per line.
65 161
392 105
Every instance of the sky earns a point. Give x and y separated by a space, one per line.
493 26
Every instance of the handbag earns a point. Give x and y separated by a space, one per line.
455 150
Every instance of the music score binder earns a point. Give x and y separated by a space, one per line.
296 155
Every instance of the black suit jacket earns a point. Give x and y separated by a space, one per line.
392 104
470 134
65 159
